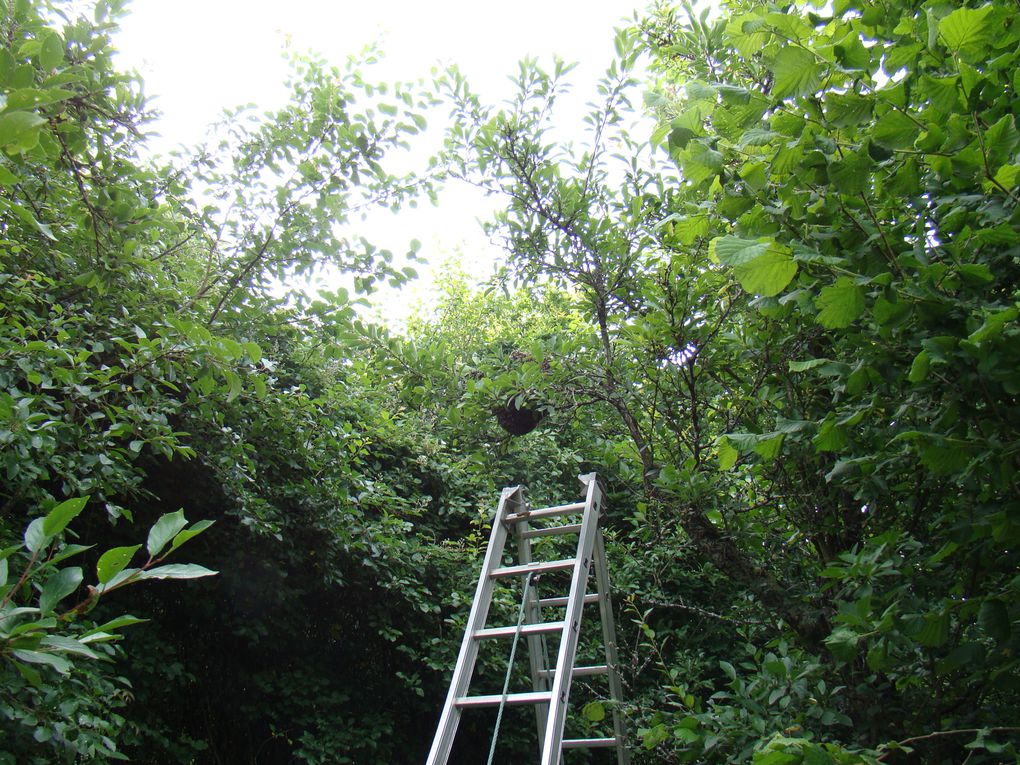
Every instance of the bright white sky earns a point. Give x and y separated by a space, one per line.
200 56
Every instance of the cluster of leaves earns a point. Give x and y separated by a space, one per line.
802 299
47 699
785 328
148 362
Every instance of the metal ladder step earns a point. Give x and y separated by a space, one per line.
517 699
589 743
595 669
538 568
551 531
560 602
545 628
545 512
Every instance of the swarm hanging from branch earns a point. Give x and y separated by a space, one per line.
517 420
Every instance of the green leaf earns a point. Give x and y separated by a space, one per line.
843 643
726 667
35 537
895 130
919 367
178 571
727 455
840 304
763 267
994 620
848 109
831 437
796 72
64 644
594 711
770 445
943 457
113 561
767 275
63 666
58 587
19 131
163 530
253 351
934 630
852 173
58 518
115 624
699 162
968 32
187 534
51 54
993 325
804 366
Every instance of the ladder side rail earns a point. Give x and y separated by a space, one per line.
511 499
537 658
609 641
552 747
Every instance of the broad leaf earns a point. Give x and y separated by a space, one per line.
51 54
63 644
35 537
63 666
19 131
191 533
796 72
727 455
58 518
763 267
177 571
968 31
165 529
895 130
58 587
115 624
840 304
994 620
113 561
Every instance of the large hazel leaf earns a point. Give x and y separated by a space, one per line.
763 267
840 304
968 32
796 72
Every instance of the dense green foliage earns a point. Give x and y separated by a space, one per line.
783 328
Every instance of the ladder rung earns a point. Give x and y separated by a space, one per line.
545 512
531 697
527 568
569 528
597 669
526 629
559 602
588 743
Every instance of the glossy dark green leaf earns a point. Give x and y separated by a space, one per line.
58 518
113 561
59 586
164 530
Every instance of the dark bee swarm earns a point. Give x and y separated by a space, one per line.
517 422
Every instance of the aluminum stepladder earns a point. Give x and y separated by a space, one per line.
550 686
